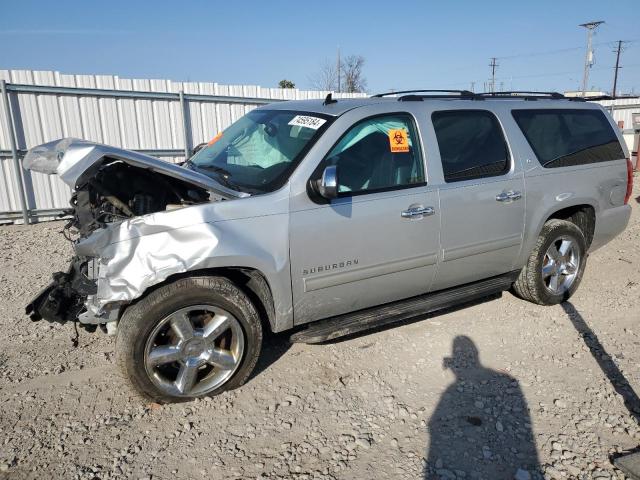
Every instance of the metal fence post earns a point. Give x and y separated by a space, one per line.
185 126
14 152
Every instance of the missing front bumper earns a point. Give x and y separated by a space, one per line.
63 300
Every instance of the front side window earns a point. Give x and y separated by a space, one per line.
259 152
562 138
378 154
471 144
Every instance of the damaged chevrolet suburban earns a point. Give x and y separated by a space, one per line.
327 218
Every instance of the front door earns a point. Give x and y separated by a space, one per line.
378 241
481 199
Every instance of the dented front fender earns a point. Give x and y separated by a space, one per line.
145 251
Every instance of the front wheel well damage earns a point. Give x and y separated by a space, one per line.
251 281
583 216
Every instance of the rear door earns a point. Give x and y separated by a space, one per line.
482 198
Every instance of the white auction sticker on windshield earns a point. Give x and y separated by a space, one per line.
306 121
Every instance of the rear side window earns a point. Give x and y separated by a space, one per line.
562 138
471 144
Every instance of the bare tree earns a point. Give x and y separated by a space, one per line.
351 76
326 78
353 80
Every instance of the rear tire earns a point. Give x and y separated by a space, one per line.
194 337
555 267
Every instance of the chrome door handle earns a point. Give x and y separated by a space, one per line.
414 212
508 196
515 195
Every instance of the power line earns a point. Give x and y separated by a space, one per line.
555 51
475 66
538 54
555 74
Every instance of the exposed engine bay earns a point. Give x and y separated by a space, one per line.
120 191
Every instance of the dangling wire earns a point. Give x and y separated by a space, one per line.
74 340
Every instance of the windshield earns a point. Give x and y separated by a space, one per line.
259 151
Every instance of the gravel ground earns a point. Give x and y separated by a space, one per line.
500 389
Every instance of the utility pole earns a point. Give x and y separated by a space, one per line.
617 67
588 60
339 69
493 66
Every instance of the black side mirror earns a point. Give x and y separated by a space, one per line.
327 185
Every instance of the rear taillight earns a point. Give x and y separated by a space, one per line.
629 181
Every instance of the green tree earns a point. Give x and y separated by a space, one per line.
286 84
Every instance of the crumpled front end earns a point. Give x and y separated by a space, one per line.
148 256
112 187
130 257
115 265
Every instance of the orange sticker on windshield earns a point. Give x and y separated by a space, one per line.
214 139
398 140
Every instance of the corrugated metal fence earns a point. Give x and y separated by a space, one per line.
159 117
623 110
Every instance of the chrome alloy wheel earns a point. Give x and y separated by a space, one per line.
561 264
194 350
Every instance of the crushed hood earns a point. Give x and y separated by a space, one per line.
75 161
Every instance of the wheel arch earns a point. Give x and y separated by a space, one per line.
250 280
582 215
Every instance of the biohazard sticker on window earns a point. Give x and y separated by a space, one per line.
398 140
307 121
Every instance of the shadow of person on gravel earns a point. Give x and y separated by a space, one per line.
618 381
481 425
604 361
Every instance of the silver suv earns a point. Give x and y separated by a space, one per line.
329 217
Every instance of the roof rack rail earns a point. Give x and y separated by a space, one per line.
421 94
522 93
528 95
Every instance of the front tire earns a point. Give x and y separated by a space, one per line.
194 337
555 267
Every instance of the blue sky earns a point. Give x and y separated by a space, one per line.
408 44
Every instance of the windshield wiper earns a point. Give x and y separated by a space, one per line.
216 169
222 177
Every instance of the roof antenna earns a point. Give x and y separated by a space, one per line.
329 99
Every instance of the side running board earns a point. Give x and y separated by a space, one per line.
349 323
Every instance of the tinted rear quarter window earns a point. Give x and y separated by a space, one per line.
471 144
563 138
